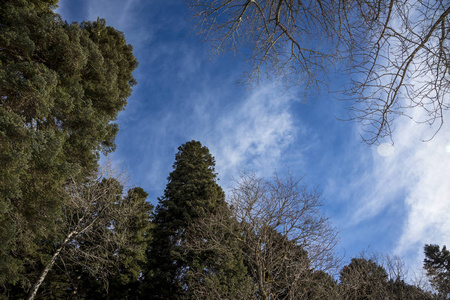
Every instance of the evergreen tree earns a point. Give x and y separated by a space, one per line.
223 274
320 285
399 289
109 256
363 279
122 282
100 247
192 193
272 225
437 266
62 85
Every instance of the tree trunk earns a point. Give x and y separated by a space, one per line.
47 268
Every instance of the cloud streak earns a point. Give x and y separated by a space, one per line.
414 181
254 133
427 171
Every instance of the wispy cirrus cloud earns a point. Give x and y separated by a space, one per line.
426 169
405 188
406 191
250 132
118 13
254 134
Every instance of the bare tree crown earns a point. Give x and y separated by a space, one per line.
395 53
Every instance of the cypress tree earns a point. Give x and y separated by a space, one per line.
191 193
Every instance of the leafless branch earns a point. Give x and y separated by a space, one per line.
280 232
396 52
93 228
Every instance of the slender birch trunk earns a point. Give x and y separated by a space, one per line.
47 268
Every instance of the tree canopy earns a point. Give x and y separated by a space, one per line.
62 86
437 266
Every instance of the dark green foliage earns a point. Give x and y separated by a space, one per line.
123 282
191 194
363 279
221 270
437 266
191 191
102 243
321 285
399 290
61 86
286 265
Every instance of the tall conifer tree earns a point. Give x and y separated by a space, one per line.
191 193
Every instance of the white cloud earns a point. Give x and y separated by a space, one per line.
415 176
254 133
427 168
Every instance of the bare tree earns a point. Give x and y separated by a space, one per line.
95 226
286 235
405 64
281 234
394 266
396 53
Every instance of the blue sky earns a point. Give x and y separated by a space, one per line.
390 199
